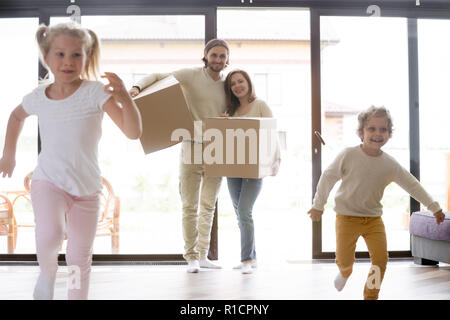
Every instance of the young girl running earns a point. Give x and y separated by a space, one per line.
365 171
67 179
242 102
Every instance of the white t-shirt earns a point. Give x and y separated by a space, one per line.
70 130
364 179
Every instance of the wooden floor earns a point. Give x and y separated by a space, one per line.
283 281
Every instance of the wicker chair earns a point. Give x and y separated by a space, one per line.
14 196
108 223
7 225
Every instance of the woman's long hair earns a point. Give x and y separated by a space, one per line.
232 101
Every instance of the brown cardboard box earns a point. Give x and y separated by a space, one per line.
163 109
241 147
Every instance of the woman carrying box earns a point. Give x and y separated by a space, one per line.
242 102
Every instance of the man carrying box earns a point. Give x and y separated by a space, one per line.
203 88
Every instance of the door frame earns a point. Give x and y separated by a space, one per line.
208 8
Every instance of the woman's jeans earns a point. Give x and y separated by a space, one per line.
243 193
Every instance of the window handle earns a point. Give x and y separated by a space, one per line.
317 133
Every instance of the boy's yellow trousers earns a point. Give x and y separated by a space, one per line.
348 230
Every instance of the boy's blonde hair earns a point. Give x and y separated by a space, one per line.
373 111
45 36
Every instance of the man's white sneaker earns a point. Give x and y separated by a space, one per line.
193 266
205 263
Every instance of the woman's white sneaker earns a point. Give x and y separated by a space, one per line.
246 268
239 266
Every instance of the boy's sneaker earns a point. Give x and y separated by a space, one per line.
339 282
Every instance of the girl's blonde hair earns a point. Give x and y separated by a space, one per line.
373 111
45 36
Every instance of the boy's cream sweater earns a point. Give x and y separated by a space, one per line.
364 179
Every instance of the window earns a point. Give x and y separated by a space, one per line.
18 62
434 95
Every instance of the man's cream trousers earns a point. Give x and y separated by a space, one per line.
198 196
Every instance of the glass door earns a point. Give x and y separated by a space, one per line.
364 63
273 46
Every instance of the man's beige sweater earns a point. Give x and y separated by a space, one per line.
205 97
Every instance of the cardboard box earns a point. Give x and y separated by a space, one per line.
241 147
164 110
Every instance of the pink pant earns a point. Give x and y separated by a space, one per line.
51 206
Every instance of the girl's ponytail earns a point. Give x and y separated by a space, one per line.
93 56
42 38
41 34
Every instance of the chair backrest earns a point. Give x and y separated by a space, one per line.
27 181
108 198
6 215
